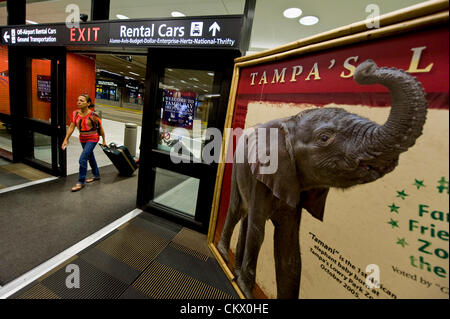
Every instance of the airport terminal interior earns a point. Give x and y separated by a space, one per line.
126 245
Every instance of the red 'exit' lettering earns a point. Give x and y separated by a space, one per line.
84 34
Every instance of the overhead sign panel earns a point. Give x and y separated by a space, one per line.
210 32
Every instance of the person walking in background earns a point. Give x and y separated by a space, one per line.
89 125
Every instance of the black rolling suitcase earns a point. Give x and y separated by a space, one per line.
121 158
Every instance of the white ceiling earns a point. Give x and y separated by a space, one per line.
270 28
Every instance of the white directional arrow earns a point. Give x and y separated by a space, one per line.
214 27
6 36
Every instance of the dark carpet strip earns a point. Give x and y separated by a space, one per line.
134 262
39 292
94 284
160 281
134 246
189 251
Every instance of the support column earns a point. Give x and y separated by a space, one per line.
100 9
16 11
249 13
16 14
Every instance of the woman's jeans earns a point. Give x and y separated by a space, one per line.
87 155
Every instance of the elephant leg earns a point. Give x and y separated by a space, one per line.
240 248
287 256
232 219
234 214
255 236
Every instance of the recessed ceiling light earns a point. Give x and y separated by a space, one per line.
292 13
211 73
31 22
177 14
309 20
134 73
121 16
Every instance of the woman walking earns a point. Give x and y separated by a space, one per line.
89 126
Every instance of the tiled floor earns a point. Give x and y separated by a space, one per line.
147 258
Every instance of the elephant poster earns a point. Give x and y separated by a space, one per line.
387 239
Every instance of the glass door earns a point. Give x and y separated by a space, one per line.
181 120
181 177
185 97
45 113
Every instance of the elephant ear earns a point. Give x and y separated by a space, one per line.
278 171
313 201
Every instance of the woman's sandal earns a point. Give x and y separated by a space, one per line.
92 179
77 187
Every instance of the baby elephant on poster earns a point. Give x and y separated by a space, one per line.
317 149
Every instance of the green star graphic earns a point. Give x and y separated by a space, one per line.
402 194
394 223
418 183
394 208
402 241
443 185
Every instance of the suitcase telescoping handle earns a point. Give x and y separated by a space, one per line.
108 147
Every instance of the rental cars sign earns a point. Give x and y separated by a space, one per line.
210 32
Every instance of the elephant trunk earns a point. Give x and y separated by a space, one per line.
408 111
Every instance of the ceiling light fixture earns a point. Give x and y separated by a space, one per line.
134 73
121 16
309 20
31 22
292 13
177 14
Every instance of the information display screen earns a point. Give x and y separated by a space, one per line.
44 88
